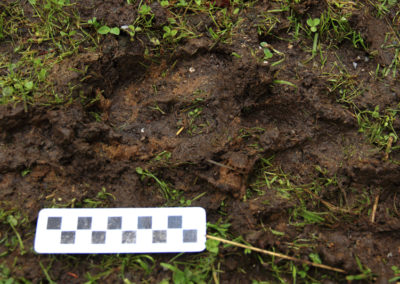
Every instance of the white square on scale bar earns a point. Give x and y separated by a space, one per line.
121 230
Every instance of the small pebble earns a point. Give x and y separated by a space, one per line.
355 65
124 27
191 69
366 58
142 130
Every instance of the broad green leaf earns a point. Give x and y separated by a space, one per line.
267 53
42 74
28 85
8 91
18 86
315 258
212 246
144 10
103 30
115 31
92 21
12 220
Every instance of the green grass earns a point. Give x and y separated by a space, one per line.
307 208
12 221
172 197
34 46
55 33
203 268
376 124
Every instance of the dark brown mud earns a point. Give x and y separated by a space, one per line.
216 116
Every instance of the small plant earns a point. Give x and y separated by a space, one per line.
103 194
167 193
100 199
141 23
144 10
5 275
169 33
200 269
131 30
184 276
14 87
366 273
383 6
164 3
25 172
267 53
103 29
313 23
378 126
13 220
396 271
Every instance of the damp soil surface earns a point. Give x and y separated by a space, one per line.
222 128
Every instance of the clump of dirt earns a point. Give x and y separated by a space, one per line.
216 116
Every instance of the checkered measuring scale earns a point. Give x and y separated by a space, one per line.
121 230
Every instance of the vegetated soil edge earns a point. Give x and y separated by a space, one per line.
215 116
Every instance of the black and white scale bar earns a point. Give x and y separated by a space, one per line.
121 230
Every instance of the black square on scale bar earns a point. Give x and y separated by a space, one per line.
160 236
114 223
128 237
98 237
68 237
144 222
84 223
174 222
189 236
54 223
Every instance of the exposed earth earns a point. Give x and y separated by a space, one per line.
294 155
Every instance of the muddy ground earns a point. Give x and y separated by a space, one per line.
213 117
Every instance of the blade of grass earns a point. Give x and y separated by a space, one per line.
283 82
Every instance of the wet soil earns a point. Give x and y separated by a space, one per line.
216 115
